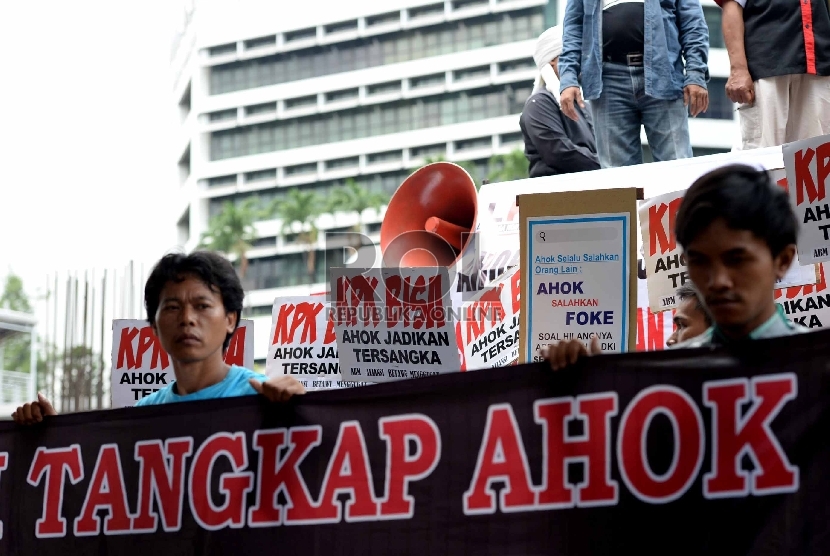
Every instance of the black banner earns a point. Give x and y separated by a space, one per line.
688 452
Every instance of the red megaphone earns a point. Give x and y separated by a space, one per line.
428 216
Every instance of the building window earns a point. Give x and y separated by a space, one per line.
426 11
383 19
301 34
366 52
471 73
336 96
461 4
341 27
429 151
472 144
261 42
369 121
300 169
266 108
714 20
298 102
427 81
517 65
222 180
270 241
222 49
342 163
390 156
384 88
222 115
511 139
292 270
261 175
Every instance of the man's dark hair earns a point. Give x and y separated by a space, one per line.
687 291
211 268
746 198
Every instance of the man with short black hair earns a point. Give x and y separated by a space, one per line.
690 316
193 303
739 234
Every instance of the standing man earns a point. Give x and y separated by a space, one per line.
554 144
629 57
739 234
193 303
779 55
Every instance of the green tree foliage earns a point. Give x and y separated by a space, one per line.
232 231
301 208
508 167
16 348
354 197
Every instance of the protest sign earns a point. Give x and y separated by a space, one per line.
578 269
140 366
708 451
807 164
393 323
304 343
665 262
489 324
653 329
808 306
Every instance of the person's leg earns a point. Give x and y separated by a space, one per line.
667 126
810 98
764 123
617 119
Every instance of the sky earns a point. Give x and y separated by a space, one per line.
85 154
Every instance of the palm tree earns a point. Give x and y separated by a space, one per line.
232 231
354 197
508 167
301 207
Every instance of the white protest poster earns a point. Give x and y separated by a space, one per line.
393 323
490 324
579 275
653 329
664 260
304 343
808 306
140 366
797 274
807 164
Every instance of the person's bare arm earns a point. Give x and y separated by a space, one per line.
739 87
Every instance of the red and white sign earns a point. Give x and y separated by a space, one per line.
140 366
807 305
653 329
489 324
304 343
393 323
808 172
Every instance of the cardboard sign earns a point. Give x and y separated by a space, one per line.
808 173
140 366
490 324
393 323
578 269
304 343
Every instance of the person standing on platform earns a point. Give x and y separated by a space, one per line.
628 56
779 58
554 144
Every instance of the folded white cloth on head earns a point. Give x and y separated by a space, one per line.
548 47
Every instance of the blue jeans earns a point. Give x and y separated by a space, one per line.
623 107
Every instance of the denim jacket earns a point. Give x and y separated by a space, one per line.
673 30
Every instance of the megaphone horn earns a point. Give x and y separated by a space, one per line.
428 216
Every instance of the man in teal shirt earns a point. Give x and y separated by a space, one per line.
193 303
739 235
